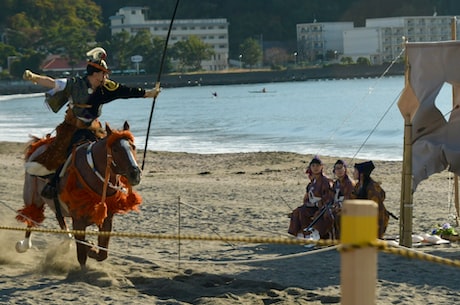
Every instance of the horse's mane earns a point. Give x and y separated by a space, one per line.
34 143
119 134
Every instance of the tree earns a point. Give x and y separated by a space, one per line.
119 50
363 61
63 27
153 60
276 57
5 51
346 60
192 52
251 52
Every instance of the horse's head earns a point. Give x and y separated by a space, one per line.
123 152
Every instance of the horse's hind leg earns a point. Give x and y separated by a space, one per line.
24 244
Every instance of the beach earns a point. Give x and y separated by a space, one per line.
219 195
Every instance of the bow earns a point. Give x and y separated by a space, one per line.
157 84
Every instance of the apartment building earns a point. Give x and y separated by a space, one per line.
315 40
381 39
211 31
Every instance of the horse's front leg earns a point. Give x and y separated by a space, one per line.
100 253
82 248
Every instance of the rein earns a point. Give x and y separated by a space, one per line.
105 179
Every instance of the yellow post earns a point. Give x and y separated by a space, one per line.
358 275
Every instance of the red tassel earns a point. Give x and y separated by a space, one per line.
31 215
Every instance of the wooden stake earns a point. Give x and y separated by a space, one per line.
359 266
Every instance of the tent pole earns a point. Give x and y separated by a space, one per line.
406 208
406 204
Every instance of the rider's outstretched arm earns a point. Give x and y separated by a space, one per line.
42 80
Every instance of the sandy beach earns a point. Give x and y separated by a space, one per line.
245 194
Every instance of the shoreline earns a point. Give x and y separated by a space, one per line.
229 78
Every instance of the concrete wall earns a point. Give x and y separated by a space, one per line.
206 79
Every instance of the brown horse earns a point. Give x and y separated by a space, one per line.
95 184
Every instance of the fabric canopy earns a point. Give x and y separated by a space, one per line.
435 139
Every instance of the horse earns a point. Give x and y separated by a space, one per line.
95 184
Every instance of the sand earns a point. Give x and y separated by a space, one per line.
246 194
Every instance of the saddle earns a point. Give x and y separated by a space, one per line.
59 147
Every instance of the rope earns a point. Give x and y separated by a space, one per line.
353 108
383 246
157 85
258 240
386 247
375 127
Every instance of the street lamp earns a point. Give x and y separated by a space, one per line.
295 59
240 57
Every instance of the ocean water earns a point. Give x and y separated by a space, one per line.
355 118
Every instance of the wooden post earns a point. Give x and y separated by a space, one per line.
358 277
407 205
456 197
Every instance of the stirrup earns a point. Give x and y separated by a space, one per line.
48 191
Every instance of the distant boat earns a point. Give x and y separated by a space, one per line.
262 91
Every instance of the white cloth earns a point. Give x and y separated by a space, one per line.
435 140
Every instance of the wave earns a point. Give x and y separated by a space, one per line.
19 96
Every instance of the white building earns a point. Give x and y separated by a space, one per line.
315 40
381 40
211 31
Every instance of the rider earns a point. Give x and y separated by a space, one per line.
85 96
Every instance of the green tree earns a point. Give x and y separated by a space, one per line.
346 60
192 52
119 50
251 52
363 61
5 51
153 59
141 44
63 27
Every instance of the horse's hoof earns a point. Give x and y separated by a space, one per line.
23 245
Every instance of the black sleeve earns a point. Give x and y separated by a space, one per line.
113 90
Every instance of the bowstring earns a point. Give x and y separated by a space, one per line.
157 84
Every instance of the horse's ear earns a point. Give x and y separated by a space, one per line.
126 126
108 130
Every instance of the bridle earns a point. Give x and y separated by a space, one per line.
105 179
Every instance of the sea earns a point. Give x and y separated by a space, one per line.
351 118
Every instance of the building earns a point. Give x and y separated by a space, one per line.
211 31
319 40
380 40
56 65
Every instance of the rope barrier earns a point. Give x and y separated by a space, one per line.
258 240
383 246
